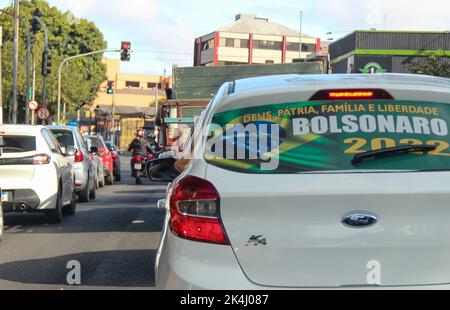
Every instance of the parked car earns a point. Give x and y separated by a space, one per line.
98 164
353 192
35 174
116 160
83 165
106 157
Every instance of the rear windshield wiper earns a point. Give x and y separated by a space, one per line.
399 150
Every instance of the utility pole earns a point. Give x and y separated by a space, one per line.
301 33
27 30
15 62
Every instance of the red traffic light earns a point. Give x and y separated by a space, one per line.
126 45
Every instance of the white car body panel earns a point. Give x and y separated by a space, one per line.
300 215
42 179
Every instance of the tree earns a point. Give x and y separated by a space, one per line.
435 64
81 78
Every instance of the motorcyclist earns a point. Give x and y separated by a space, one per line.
140 146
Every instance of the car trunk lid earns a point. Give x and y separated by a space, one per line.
289 231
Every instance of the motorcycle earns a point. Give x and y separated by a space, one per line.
139 165
138 168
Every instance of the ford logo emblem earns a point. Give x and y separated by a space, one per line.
359 220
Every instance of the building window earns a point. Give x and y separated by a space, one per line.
232 63
131 84
244 43
208 44
268 45
306 47
226 42
229 42
293 47
153 85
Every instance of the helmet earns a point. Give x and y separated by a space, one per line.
140 133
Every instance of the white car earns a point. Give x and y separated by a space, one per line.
35 175
347 185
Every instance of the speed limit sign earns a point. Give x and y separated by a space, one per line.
43 114
33 105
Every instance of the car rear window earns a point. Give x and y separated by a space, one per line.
64 137
326 136
97 143
17 144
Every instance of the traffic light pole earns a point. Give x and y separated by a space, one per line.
44 79
60 70
15 62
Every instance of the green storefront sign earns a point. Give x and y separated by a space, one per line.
372 67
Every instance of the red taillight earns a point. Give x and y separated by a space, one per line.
138 158
351 94
194 211
41 160
79 157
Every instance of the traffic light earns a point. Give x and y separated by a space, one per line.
35 25
110 89
125 54
46 63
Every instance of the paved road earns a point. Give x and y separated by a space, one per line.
114 238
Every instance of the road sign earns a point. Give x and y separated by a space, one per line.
34 105
43 114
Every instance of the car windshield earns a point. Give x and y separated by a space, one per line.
110 146
97 142
64 137
326 136
17 144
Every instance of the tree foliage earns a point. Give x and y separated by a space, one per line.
81 78
435 64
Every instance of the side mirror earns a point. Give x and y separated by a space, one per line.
70 151
163 170
94 150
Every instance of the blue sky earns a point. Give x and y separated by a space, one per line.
162 32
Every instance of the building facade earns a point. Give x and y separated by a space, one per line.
253 40
133 93
133 104
385 51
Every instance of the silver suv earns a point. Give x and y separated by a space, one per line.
83 165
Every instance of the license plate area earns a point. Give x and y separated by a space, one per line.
137 166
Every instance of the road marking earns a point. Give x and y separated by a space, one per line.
138 222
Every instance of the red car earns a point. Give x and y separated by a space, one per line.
106 156
116 160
